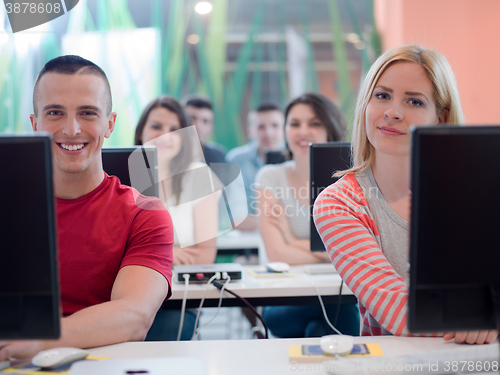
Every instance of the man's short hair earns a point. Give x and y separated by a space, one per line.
71 64
266 107
263 107
197 101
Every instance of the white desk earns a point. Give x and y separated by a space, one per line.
297 289
238 242
262 357
238 239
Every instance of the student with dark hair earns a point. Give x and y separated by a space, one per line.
161 124
182 186
284 214
115 245
200 113
265 131
70 65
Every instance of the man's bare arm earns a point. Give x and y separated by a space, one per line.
137 294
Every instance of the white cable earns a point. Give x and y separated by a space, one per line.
207 286
183 308
218 307
324 310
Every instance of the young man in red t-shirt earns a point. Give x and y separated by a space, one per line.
115 246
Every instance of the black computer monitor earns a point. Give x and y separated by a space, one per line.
134 166
454 243
275 157
29 288
325 159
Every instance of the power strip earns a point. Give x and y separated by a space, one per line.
200 273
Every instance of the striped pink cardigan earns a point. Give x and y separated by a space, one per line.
348 230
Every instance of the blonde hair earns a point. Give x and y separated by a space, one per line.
445 95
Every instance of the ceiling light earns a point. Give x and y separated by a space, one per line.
353 38
203 7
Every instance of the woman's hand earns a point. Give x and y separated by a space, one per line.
280 243
472 337
281 222
185 255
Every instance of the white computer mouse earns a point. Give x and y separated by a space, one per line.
278 266
337 344
56 357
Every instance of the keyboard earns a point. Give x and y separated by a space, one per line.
467 359
324 268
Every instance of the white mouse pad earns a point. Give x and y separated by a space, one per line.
142 366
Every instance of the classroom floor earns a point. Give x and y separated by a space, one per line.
229 324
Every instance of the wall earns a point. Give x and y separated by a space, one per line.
467 32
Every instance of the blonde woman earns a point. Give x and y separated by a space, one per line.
363 217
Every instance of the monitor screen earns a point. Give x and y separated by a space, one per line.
29 289
325 159
275 157
454 248
134 166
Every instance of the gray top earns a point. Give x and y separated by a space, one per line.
394 230
272 177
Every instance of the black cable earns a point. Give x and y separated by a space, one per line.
219 285
339 303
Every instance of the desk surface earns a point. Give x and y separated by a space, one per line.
261 357
237 239
295 289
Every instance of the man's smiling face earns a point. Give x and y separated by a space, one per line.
73 108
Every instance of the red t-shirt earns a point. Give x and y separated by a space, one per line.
103 231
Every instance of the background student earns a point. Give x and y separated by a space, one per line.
182 184
363 217
199 111
284 214
265 131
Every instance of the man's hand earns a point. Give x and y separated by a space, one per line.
137 294
20 349
472 337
